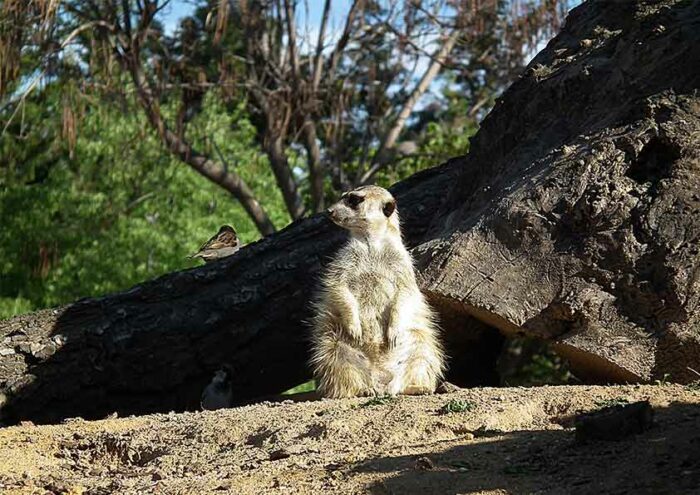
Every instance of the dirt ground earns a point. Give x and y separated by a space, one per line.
508 440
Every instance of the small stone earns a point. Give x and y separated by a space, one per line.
45 352
25 348
585 43
7 351
279 454
424 464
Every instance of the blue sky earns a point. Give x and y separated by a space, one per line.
181 8
174 12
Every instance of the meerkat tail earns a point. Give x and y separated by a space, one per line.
341 370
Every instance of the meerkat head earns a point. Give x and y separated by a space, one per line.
366 210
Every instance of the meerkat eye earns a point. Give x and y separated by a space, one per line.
389 208
353 200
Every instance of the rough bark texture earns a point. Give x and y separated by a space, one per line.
576 215
575 218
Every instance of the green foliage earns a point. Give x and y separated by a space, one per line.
436 144
309 386
120 211
530 362
613 402
379 400
457 406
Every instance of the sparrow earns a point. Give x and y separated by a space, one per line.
223 244
218 394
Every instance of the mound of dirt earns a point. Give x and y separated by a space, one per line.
491 440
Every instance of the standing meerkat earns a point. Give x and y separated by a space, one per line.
373 332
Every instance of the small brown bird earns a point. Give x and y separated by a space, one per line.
223 244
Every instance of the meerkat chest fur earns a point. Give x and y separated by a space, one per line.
374 274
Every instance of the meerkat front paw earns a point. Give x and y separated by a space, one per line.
354 327
392 337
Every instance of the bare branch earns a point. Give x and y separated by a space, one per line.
318 65
213 171
345 37
379 159
292 39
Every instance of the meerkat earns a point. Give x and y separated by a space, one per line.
372 331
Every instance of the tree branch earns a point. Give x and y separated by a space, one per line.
213 171
380 157
313 157
292 39
274 148
318 65
345 37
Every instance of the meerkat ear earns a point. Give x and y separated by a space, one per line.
389 208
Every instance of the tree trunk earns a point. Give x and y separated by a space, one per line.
283 174
575 219
316 169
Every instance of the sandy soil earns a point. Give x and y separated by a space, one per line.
509 440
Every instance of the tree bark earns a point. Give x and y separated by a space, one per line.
576 216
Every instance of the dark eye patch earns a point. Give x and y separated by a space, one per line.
354 200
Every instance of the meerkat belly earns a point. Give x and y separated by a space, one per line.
375 293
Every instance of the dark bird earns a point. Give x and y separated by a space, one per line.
218 394
223 244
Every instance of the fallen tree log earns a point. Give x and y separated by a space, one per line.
574 219
576 215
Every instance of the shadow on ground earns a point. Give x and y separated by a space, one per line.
664 459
